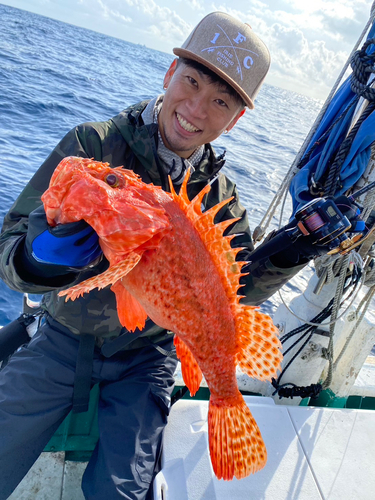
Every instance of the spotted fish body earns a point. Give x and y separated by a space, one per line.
169 261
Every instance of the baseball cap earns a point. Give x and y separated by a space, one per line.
230 49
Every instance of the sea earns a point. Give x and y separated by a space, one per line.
54 76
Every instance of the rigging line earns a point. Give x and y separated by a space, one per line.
329 322
321 316
310 332
285 197
366 301
296 354
328 352
260 230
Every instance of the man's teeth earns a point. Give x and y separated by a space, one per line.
186 125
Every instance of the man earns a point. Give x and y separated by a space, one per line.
220 69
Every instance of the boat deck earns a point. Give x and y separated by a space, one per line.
313 453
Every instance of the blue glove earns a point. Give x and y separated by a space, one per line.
73 246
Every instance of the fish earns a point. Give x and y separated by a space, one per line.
169 261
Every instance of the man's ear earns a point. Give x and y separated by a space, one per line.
235 120
169 74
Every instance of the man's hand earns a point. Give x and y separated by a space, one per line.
302 248
74 245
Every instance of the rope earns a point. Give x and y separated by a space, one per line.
331 274
362 65
365 303
370 274
328 353
328 267
333 179
310 391
368 205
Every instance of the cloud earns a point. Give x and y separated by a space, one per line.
289 40
309 65
195 5
145 20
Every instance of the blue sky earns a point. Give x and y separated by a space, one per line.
309 41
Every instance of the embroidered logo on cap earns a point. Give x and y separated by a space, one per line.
227 57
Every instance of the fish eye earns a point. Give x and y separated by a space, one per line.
112 180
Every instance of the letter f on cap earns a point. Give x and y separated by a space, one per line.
240 38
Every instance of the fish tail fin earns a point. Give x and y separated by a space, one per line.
191 373
236 445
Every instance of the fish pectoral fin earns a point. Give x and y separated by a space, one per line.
130 312
258 346
236 444
109 277
191 372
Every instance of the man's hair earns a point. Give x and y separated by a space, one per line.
213 78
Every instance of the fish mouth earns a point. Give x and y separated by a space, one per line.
189 127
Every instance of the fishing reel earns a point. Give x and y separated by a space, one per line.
325 224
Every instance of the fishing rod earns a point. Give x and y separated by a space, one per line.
361 191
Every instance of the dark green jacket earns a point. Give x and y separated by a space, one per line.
122 140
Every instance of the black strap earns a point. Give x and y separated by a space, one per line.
179 394
82 379
14 335
164 352
110 348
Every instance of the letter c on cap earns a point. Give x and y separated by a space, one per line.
248 62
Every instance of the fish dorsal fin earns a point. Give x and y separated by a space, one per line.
258 346
222 254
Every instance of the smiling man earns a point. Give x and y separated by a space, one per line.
218 73
198 107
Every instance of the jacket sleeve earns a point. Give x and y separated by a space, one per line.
263 278
81 141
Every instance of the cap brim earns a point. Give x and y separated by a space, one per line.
190 55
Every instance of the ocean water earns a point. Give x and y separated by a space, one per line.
54 76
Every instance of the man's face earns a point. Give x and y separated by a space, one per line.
195 111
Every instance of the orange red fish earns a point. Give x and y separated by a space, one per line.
170 262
